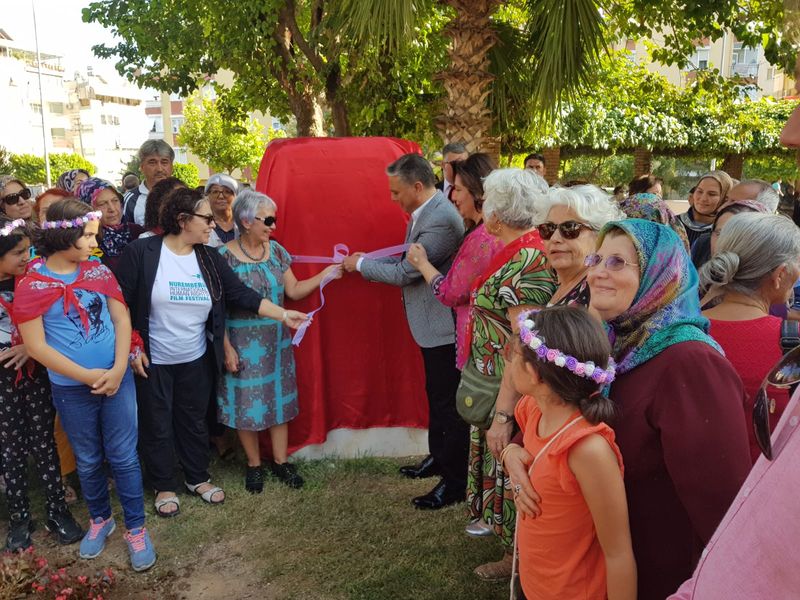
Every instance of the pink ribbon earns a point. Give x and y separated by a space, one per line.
340 252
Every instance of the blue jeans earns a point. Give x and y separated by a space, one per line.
104 428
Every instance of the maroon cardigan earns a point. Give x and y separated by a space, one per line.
681 430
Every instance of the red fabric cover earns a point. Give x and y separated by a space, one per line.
358 366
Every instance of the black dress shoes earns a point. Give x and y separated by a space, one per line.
442 495
427 468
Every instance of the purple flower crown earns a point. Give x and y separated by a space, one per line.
78 222
11 227
530 337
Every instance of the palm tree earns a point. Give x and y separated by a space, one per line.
496 68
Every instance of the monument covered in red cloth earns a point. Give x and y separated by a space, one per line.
358 366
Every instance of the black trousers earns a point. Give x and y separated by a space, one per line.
448 434
26 426
173 402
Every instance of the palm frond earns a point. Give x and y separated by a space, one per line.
566 39
511 67
388 23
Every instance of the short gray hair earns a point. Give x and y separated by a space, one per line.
156 147
247 204
454 148
750 247
766 194
591 204
411 168
515 197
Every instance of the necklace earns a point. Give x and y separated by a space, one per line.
253 258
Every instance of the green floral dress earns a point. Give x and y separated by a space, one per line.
525 280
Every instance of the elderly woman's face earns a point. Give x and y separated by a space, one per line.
464 201
263 225
108 203
707 196
21 209
612 290
568 254
221 198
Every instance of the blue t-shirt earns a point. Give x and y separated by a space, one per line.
68 335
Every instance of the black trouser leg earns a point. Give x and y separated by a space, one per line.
191 394
448 434
156 444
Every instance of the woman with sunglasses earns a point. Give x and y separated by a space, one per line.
258 391
681 426
15 199
574 216
755 266
177 290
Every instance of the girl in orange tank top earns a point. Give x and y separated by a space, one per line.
576 543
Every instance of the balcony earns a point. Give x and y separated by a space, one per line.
746 70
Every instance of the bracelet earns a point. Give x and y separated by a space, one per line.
505 452
283 318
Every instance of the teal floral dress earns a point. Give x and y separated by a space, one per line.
524 280
264 391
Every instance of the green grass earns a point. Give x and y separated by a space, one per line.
350 534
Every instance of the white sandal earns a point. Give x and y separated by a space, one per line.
159 504
208 495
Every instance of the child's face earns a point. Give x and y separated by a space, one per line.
13 262
86 243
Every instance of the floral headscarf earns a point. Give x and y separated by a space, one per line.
666 308
67 180
651 207
88 189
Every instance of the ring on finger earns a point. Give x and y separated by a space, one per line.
517 489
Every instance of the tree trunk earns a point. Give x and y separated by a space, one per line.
337 106
466 117
308 114
552 164
733 165
642 161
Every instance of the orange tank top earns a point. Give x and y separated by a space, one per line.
559 554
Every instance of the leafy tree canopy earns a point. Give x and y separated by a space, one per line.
30 167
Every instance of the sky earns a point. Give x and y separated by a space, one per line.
61 31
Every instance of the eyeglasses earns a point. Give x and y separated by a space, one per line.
222 192
612 263
12 199
784 374
569 230
208 218
268 221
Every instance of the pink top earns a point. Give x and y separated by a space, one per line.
753 552
470 262
753 347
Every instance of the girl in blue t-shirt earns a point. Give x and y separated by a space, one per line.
26 411
74 321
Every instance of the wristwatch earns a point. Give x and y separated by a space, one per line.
503 417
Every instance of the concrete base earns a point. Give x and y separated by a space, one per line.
380 441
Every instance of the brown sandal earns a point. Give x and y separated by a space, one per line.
495 571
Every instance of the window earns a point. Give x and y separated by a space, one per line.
36 108
699 60
58 133
56 107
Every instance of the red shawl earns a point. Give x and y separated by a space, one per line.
36 293
526 240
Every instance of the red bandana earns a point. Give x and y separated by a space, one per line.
36 293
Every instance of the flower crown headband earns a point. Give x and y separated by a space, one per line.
16 223
68 223
530 337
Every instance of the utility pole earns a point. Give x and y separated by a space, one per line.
41 95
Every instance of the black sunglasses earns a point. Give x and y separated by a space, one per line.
268 221
784 374
569 230
209 218
12 199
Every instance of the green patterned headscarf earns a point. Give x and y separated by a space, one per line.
666 308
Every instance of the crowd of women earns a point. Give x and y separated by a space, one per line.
612 354
144 341
675 370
